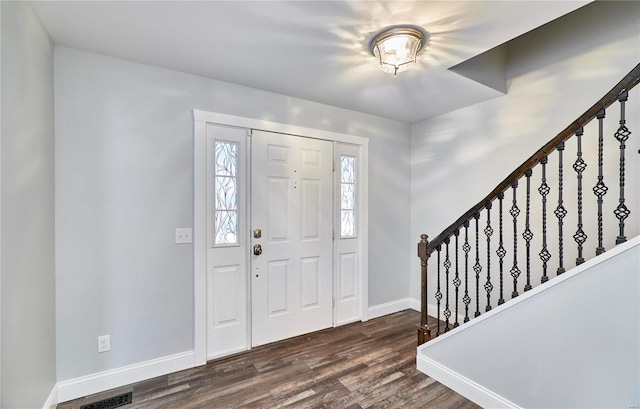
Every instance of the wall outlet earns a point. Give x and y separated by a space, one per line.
104 343
183 236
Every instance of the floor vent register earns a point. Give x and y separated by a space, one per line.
109 403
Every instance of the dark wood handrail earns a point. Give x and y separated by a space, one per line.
627 83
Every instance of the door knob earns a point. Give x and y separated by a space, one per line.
257 249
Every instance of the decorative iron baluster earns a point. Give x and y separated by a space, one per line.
579 166
447 266
600 189
438 292
544 190
622 134
466 248
528 235
514 212
501 252
456 280
477 267
560 211
488 231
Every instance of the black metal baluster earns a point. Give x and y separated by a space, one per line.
438 292
600 189
466 248
447 266
515 271
579 166
488 231
477 267
560 211
501 252
527 235
544 190
622 134
456 280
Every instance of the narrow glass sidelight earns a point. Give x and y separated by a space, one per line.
226 193
347 196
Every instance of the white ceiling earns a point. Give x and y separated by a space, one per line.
315 50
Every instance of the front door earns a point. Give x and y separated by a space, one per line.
291 223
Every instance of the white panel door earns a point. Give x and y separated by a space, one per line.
292 278
227 239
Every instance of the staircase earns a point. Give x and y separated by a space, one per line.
545 227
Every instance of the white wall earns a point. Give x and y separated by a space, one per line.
124 182
573 345
554 74
27 194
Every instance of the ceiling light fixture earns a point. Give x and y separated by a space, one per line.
396 47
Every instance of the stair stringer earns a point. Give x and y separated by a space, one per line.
444 360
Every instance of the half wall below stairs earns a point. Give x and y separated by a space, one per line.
573 342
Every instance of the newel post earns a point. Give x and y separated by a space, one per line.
424 332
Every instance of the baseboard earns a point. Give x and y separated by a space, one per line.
462 385
415 304
389 308
432 310
114 378
52 400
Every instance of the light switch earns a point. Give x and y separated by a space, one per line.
183 236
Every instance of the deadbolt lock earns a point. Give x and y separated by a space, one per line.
257 249
257 233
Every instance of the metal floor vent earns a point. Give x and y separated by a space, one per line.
109 403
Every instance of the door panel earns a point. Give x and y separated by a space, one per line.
311 207
348 243
227 295
292 198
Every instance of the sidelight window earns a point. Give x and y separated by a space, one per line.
226 193
347 196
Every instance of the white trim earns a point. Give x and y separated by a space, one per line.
364 229
390 308
1 210
414 304
263 125
201 118
432 310
200 243
114 378
462 385
52 400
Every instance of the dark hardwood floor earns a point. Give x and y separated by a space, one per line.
362 365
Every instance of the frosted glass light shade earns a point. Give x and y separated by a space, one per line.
396 48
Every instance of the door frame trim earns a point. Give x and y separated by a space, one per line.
200 121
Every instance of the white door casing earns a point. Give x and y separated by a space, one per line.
344 311
291 183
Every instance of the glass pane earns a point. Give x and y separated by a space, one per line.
226 193
348 225
226 159
348 197
226 225
348 167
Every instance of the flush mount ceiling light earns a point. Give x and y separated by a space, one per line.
396 47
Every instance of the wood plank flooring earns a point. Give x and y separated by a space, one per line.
362 365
